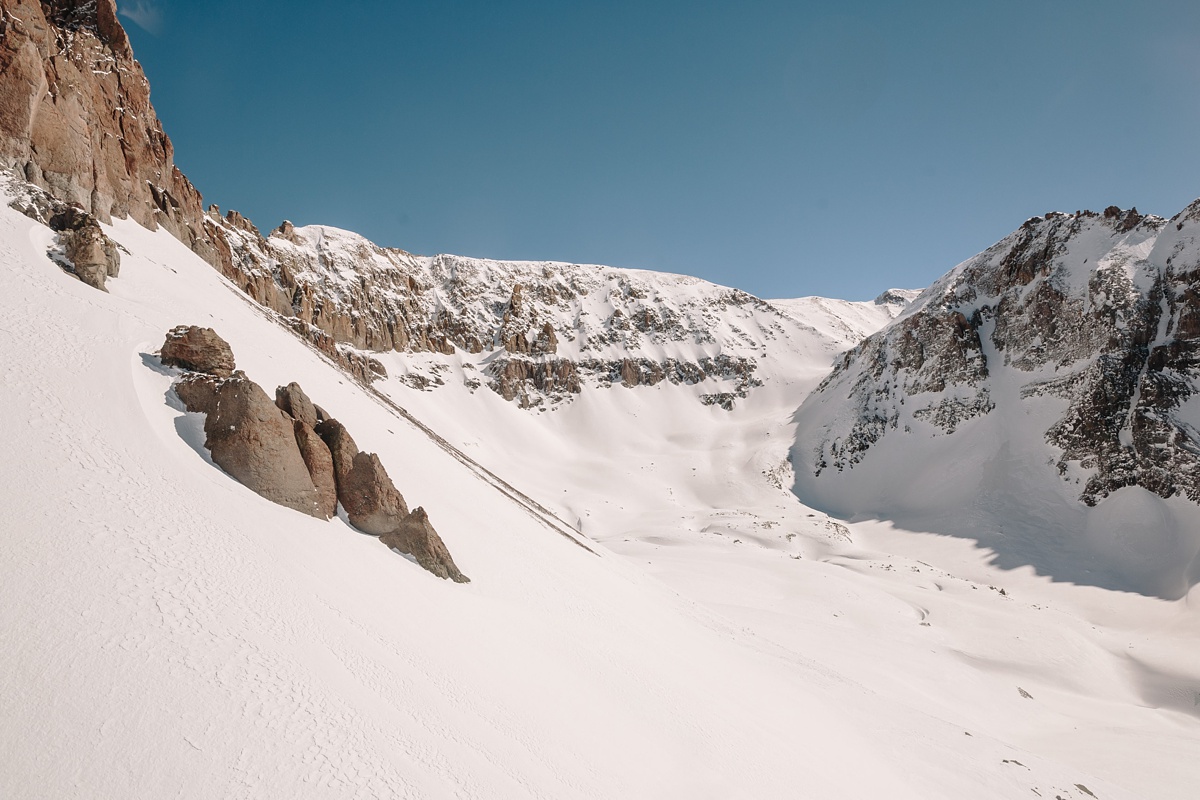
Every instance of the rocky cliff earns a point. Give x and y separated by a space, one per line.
76 119
1062 361
535 332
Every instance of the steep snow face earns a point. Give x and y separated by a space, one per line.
1038 397
535 332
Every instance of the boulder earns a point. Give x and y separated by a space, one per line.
252 440
198 392
364 489
319 461
415 536
198 349
294 401
341 447
371 500
90 254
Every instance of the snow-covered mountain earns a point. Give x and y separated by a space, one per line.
1039 397
607 453
534 332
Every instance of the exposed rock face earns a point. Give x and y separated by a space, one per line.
1070 348
1097 310
199 349
416 537
515 375
374 506
364 489
83 248
342 448
371 500
76 119
360 366
199 392
292 400
251 439
540 329
319 461
92 255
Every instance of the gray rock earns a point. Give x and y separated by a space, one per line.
416 537
198 349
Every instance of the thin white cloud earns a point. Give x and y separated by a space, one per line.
144 13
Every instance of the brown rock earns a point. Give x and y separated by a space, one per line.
292 400
549 376
364 489
252 440
341 447
319 461
198 349
371 500
92 256
198 392
416 537
547 341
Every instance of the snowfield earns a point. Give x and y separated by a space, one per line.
165 632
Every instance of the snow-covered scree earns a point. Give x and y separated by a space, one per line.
166 632
1039 398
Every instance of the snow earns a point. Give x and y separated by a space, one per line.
167 633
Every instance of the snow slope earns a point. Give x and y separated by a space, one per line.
168 633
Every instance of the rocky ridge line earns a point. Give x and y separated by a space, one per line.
1098 310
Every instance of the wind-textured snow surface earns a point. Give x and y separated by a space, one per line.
167 633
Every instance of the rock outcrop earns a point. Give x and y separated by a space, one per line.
319 461
370 499
342 448
292 400
76 119
251 439
199 349
374 505
91 255
82 248
415 536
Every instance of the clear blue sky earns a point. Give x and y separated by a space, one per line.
786 148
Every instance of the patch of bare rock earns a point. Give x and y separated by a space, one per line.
292 453
81 247
198 349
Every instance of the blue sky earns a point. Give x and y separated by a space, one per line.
786 148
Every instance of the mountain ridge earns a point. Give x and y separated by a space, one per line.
1085 327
